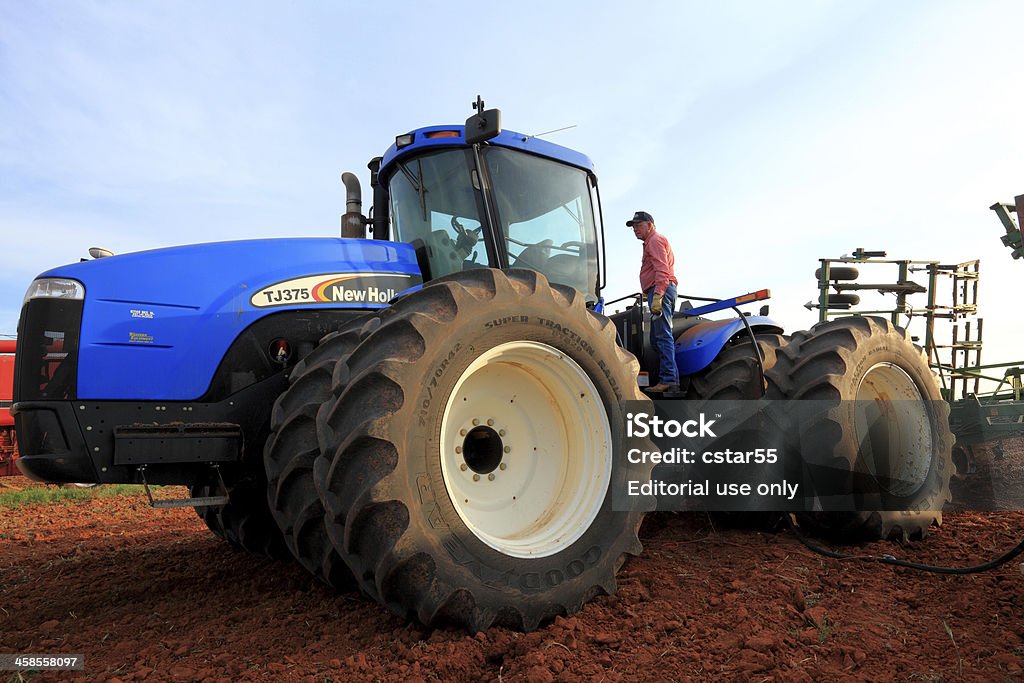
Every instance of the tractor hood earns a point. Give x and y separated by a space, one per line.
155 324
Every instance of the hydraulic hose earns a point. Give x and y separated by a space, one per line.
889 559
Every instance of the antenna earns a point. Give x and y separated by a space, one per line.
549 132
478 105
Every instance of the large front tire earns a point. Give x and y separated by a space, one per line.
472 480
290 454
245 520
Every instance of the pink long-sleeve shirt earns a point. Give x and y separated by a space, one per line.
658 267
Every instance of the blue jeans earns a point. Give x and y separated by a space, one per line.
661 336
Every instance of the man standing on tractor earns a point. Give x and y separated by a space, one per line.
658 282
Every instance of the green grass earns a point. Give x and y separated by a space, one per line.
54 494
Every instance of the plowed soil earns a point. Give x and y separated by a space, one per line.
152 595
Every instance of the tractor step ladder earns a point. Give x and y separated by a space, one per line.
197 502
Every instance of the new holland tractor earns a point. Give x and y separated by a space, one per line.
428 414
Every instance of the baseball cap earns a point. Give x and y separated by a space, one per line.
638 217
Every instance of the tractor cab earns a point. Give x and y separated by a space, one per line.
474 196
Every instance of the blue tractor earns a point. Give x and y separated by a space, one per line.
427 414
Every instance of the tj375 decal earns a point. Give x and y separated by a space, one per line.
335 288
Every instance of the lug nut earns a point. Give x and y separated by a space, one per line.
508 449
501 432
490 477
475 422
462 432
490 423
476 477
503 466
458 449
462 467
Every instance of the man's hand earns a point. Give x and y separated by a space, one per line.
656 304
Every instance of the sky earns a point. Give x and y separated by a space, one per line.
761 135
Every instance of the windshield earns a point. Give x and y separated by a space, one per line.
546 216
435 208
544 209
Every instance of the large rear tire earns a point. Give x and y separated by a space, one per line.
472 480
882 430
289 455
734 375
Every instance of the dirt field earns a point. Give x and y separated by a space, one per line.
152 595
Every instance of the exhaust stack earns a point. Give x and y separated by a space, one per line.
352 222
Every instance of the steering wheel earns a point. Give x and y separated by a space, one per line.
573 247
463 230
467 237
534 256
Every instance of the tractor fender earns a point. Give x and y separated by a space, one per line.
700 344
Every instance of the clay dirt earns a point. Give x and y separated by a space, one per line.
152 595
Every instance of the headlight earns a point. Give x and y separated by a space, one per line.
54 288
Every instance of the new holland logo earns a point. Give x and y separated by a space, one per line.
335 288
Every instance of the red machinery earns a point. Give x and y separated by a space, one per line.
8 444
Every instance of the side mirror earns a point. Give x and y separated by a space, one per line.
483 126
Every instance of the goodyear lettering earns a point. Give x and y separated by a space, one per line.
530 582
463 556
536 581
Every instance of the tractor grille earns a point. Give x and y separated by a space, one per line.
46 364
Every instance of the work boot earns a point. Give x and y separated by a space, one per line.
661 388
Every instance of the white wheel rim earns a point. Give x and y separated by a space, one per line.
901 457
526 449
